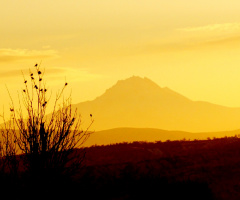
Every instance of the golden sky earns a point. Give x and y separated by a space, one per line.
192 47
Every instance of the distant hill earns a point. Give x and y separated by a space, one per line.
120 135
141 103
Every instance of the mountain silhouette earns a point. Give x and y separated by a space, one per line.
140 103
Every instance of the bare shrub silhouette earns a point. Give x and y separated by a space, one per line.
8 150
46 141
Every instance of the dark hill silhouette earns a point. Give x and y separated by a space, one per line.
120 135
141 103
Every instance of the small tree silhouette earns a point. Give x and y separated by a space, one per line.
46 141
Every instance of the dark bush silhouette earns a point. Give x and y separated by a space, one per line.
46 142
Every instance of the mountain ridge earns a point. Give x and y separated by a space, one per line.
140 103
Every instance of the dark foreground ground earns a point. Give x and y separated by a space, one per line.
208 169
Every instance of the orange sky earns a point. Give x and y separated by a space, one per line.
192 47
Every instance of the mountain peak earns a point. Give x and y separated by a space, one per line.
131 86
139 102
137 88
135 82
135 79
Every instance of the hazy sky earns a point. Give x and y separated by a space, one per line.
192 47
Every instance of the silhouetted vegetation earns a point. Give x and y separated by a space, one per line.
207 169
38 147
